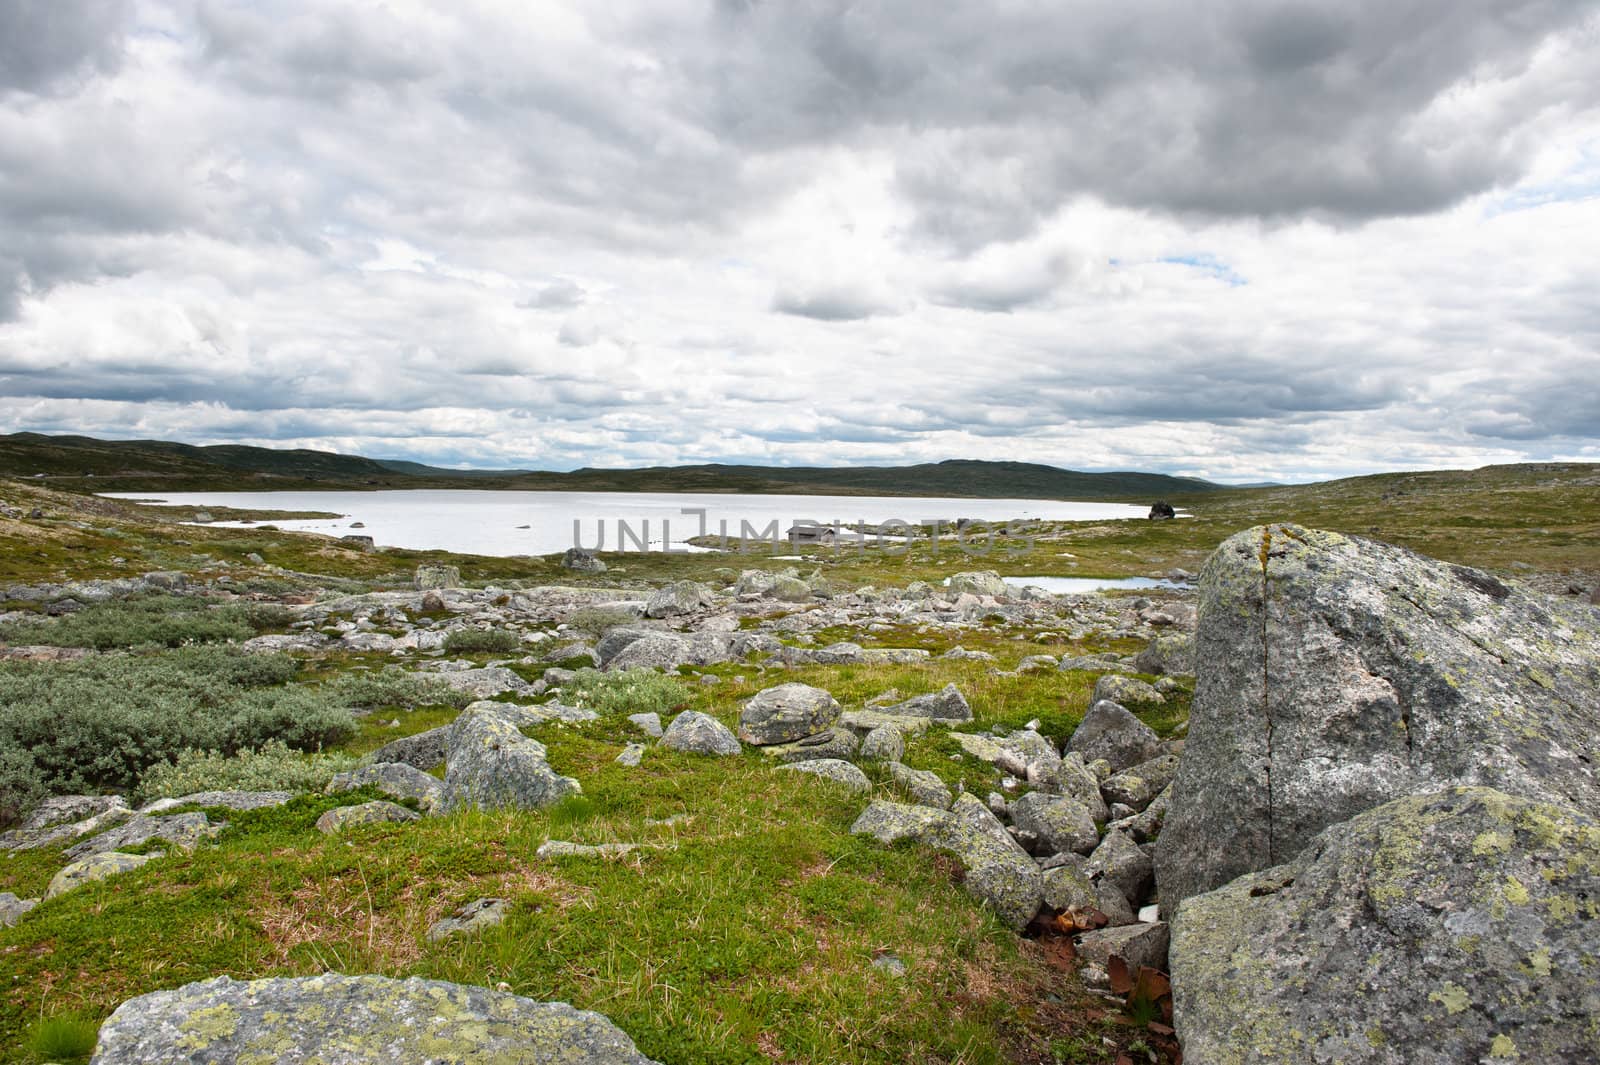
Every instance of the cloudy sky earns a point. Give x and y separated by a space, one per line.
1245 240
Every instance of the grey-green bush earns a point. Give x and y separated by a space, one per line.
275 766
468 641
159 620
633 691
101 722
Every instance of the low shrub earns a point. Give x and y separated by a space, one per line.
633 691
149 620
596 620
101 722
470 641
274 766
393 687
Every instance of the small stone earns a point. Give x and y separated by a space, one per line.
631 755
649 724
883 744
368 813
836 770
556 848
472 918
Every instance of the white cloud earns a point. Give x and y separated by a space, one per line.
1280 244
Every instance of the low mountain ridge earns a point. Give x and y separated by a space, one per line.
159 465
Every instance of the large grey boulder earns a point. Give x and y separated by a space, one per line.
63 817
679 597
787 713
491 765
947 704
1456 926
354 1020
980 582
395 779
651 650
1110 731
698 733
1341 673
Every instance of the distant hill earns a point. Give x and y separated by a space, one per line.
85 463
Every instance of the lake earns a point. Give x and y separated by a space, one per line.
540 523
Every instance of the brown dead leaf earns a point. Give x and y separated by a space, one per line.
1117 970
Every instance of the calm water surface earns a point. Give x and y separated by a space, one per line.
539 523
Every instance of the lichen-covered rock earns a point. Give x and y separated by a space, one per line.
1110 731
631 755
1136 944
1454 926
978 582
376 812
998 871
833 743
1145 825
423 751
1075 779
1128 691
64 817
431 576
484 683
560 848
1172 653
12 908
834 769
581 561
862 722
787 713
1137 787
924 787
95 867
679 597
648 723
883 744
183 831
1058 822
789 589
354 1020
1123 864
395 779
652 650
1341 673
491 765
947 704
470 919
698 733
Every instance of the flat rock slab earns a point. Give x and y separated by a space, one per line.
232 800
376 812
355 1020
96 867
395 779
559 848
183 831
835 769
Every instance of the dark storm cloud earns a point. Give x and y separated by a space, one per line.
43 42
1254 109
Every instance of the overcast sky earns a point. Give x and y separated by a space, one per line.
1244 241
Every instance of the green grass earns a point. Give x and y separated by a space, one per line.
62 1038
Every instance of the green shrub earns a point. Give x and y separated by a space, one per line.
65 1037
275 766
468 641
99 723
634 691
393 687
596 620
159 620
